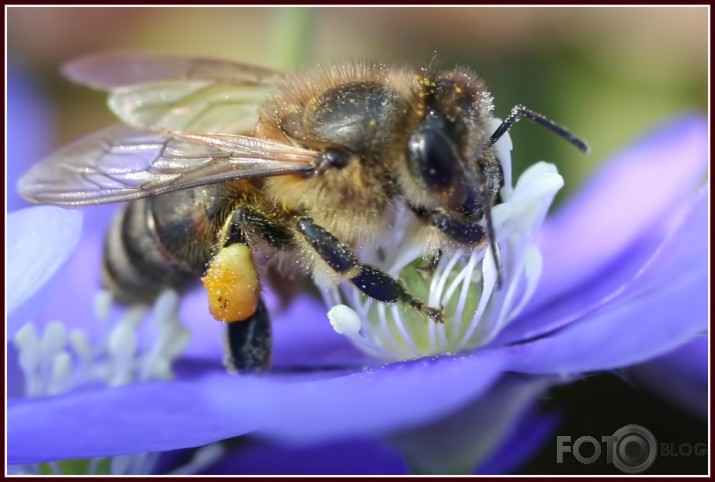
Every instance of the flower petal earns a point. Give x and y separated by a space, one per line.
213 406
366 457
138 418
628 196
470 435
367 403
351 457
39 242
628 272
680 376
532 434
664 308
613 280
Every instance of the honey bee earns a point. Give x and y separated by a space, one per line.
229 167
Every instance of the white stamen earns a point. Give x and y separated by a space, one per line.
500 214
80 345
344 320
133 316
115 358
27 342
461 304
172 338
147 461
533 265
502 151
166 306
122 346
54 340
202 458
26 336
61 371
120 464
93 464
103 305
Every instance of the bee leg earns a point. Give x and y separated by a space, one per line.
233 287
429 265
274 234
248 342
468 233
367 278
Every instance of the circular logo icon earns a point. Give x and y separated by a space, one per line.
634 450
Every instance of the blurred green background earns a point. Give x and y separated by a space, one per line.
607 73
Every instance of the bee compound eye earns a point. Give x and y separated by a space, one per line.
433 158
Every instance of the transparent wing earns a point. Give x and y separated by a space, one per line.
121 163
178 93
108 71
192 106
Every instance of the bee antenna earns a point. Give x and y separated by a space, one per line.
493 245
519 111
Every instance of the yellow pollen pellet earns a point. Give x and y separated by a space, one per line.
232 284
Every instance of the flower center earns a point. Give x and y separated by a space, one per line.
463 283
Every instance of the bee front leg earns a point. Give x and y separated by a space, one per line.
233 287
367 278
467 233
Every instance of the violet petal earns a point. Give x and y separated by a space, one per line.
470 435
627 273
214 406
39 242
533 433
625 198
349 457
138 418
681 376
367 403
643 323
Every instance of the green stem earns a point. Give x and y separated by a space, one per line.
294 28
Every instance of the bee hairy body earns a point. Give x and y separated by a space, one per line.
334 152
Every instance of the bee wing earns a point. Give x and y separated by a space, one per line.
121 164
177 93
108 71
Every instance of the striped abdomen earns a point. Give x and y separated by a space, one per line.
163 241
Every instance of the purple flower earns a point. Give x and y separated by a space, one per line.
680 376
623 280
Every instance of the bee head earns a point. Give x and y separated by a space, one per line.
444 147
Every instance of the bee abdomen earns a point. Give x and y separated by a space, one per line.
136 265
